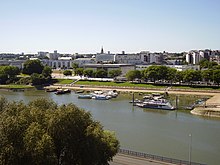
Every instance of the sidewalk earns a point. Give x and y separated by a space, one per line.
121 159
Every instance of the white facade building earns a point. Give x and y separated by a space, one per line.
58 64
83 61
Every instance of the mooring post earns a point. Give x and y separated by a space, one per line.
133 98
176 102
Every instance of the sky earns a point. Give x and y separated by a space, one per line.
84 26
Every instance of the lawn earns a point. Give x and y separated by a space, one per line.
64 81
124 84
136 85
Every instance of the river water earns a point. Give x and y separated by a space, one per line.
159 132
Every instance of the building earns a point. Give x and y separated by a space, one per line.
83 61
17 63
60 63
128 58
53 56
177 67
150 58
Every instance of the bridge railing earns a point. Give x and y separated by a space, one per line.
156 157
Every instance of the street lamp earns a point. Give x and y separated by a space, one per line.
190 148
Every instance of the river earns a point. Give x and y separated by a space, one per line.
159 132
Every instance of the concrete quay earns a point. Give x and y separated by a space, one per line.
211 108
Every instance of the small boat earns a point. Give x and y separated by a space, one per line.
80 91
156 104
101 97
113 93
62 91
89 96
50 90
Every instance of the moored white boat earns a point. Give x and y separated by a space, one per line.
156 104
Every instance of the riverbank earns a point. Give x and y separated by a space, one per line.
136 89
211 108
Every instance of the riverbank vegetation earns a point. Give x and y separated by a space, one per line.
43 132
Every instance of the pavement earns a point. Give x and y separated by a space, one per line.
121 159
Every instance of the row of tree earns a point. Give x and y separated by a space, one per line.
44 133
163 73
100 73
37 73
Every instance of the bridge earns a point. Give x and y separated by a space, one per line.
128 157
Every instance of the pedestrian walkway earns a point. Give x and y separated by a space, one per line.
122 159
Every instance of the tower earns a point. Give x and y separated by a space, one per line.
102 51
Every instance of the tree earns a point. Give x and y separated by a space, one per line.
191 75
101 73
43 132
8 74
79 71
11 71
47 71
75 66
171 74
67 72
179 76
37 79
88 72
115 73
216 76
33 66
204 63
133 74
207 75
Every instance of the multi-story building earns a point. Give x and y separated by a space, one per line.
60 63
53 56
128 58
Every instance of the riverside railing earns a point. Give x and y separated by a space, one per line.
156 157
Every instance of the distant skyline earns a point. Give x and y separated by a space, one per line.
84 26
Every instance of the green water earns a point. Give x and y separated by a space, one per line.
159 132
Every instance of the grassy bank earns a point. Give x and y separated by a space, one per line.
13 86
133 85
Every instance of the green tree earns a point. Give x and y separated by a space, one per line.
44 133
114 73
207 75
75 66
101 73
47 71
192 75
8 74
79 71
133 74
67 72
171 74
33 66
216 76
11 71
179 76
88 72
204 63
37 79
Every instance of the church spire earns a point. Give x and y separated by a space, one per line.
102 51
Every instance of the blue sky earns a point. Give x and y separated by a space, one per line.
84 26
